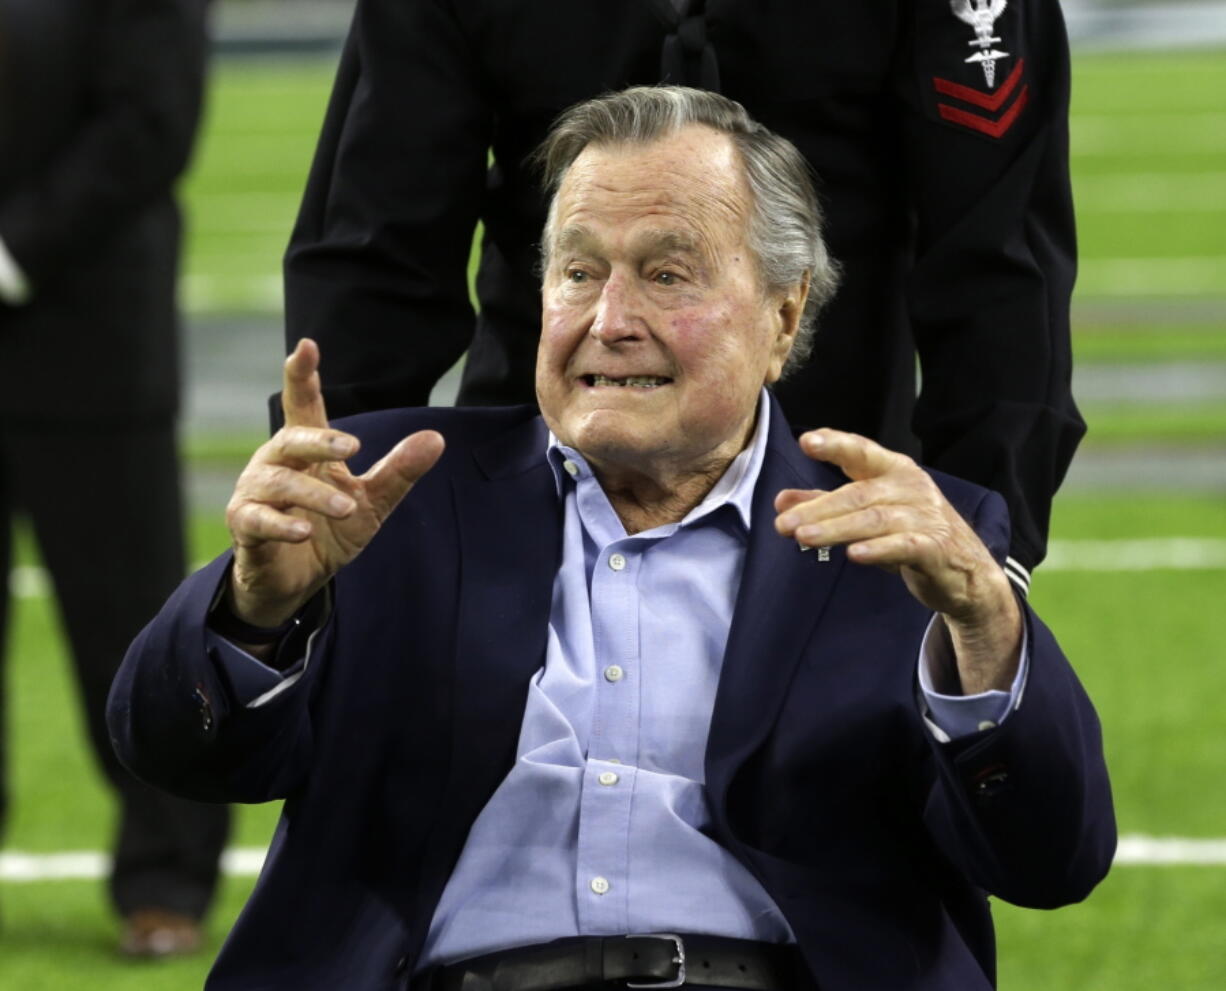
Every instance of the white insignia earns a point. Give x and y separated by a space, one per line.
981 15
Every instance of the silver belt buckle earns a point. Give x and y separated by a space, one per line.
679 960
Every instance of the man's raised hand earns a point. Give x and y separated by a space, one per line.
298 515
892 515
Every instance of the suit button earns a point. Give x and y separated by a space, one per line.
402 965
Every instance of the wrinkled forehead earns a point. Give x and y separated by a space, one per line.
691 179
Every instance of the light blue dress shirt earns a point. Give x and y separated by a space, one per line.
602 825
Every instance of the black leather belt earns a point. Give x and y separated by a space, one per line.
655 960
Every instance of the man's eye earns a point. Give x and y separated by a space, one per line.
667 278
576 275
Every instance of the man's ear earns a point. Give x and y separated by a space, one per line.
790 308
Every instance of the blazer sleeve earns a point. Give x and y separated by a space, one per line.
144 93
176 721
1025 810
994 254
376 270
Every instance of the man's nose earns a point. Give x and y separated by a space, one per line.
618 316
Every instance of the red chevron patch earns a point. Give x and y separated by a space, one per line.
993 127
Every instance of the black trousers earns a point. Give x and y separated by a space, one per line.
105 505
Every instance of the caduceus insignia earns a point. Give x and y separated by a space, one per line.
981 15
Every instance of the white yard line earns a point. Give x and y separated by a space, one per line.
1146 554
1195 275
1149 851
1152 192
91 865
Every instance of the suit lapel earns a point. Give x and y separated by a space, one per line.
780 602
510 542
509 521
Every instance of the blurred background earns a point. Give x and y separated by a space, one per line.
1137 566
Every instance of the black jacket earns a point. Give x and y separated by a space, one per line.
99 101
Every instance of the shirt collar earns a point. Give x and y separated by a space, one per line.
735 487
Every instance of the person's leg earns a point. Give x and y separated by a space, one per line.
106 508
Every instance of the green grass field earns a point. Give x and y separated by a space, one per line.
1149 141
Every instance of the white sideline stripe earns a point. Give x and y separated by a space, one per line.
1149 851
92 865
1152 192
1146 554
1196 275
29 581
87 865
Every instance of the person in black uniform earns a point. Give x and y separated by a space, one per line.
99 102
938 129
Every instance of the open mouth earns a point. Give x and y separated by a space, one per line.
632 381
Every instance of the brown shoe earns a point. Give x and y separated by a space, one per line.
159 932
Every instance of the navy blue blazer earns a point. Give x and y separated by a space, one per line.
878 843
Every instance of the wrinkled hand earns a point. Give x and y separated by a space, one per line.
298 515
892 515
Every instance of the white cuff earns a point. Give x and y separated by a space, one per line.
14 287
951 716
1018 575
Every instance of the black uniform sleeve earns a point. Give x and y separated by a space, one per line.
376 270
145 90
985 90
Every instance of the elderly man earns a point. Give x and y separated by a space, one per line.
640 692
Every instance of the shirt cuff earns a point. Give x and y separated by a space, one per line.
949 717
250 679
14 287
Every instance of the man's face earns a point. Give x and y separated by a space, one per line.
656 334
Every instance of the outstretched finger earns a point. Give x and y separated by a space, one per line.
304 446
254 523
389 480
302 399
285 488
857 456
787 498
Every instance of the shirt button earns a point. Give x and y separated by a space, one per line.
600 885
572 469
613 673
617 561
608 778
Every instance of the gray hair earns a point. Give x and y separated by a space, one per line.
785 227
